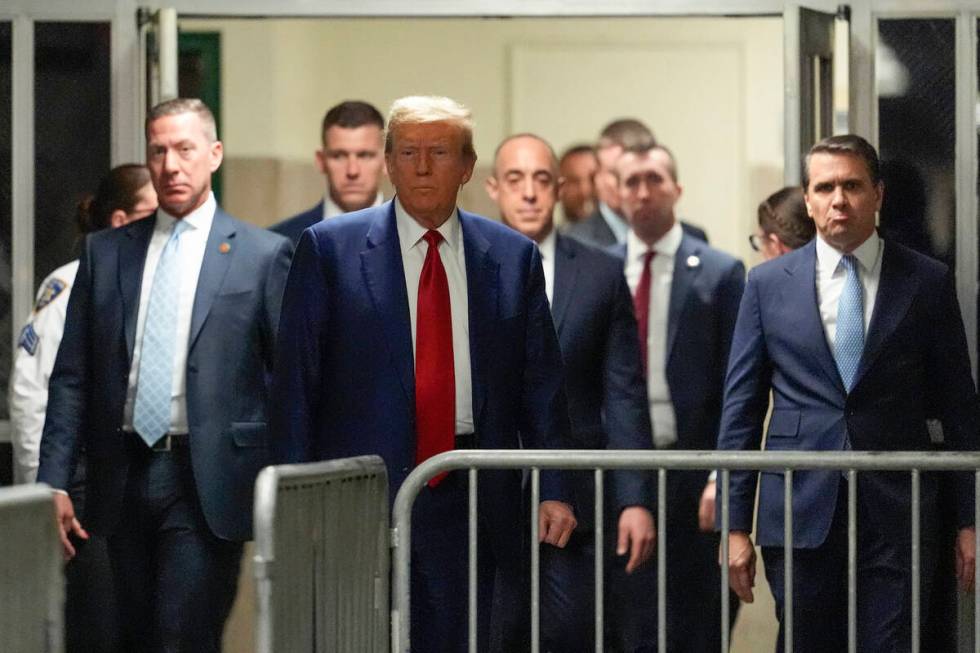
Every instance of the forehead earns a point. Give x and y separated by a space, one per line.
825 166
525 154
608 155
440 131
363 137
654 161
178 126
579 161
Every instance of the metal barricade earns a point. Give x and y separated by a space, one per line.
915 463
31 580
321 557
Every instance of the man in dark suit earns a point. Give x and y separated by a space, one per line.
415 328
608 226
593 314
352 162
860 341
161 378
686 298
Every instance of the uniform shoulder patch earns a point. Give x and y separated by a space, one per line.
28 339
52 289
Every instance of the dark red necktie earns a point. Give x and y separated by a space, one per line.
435 379
641 305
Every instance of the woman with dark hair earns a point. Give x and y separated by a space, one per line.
123 196
784 224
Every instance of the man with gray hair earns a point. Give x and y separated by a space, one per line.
161 378
415 328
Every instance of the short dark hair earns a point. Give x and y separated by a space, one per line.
118 190
784 213
180 105
574 150
351 114
644 149
627 133
849 144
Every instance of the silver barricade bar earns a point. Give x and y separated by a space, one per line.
724 461
31 579
314 591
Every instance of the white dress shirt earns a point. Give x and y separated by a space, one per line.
191 252
547 249
615 223
662 277
414 249
831 276
331 210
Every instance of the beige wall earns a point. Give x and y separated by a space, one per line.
711 88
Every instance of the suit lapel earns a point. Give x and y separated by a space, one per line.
803 295
132 257
687 266
566 273
218 255
384 276
482 280
896 289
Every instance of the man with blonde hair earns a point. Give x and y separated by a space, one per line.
415 328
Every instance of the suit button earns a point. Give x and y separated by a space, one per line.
192 369
404 470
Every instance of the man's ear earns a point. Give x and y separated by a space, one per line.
118 218
320 160
492 187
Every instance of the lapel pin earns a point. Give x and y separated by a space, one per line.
224 248
693 261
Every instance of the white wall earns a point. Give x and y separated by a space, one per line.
711 89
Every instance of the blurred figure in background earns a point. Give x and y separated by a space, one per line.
577 192
783 226
783 223
124 195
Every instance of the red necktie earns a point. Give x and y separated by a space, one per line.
641 305
435 382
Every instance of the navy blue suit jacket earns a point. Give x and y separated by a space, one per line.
607 398
292 228
229 363
704 298
915 366
345 382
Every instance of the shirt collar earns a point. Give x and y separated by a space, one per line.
330 208
410 232
547 246
866 253
667 246
199 218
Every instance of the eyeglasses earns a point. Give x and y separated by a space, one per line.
755 240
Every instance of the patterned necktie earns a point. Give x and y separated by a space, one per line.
849 340
641 305
435 378
151 413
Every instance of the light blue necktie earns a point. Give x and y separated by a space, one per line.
151 413
849 341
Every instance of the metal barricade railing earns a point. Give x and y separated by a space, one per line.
599 460
322 557
31 579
